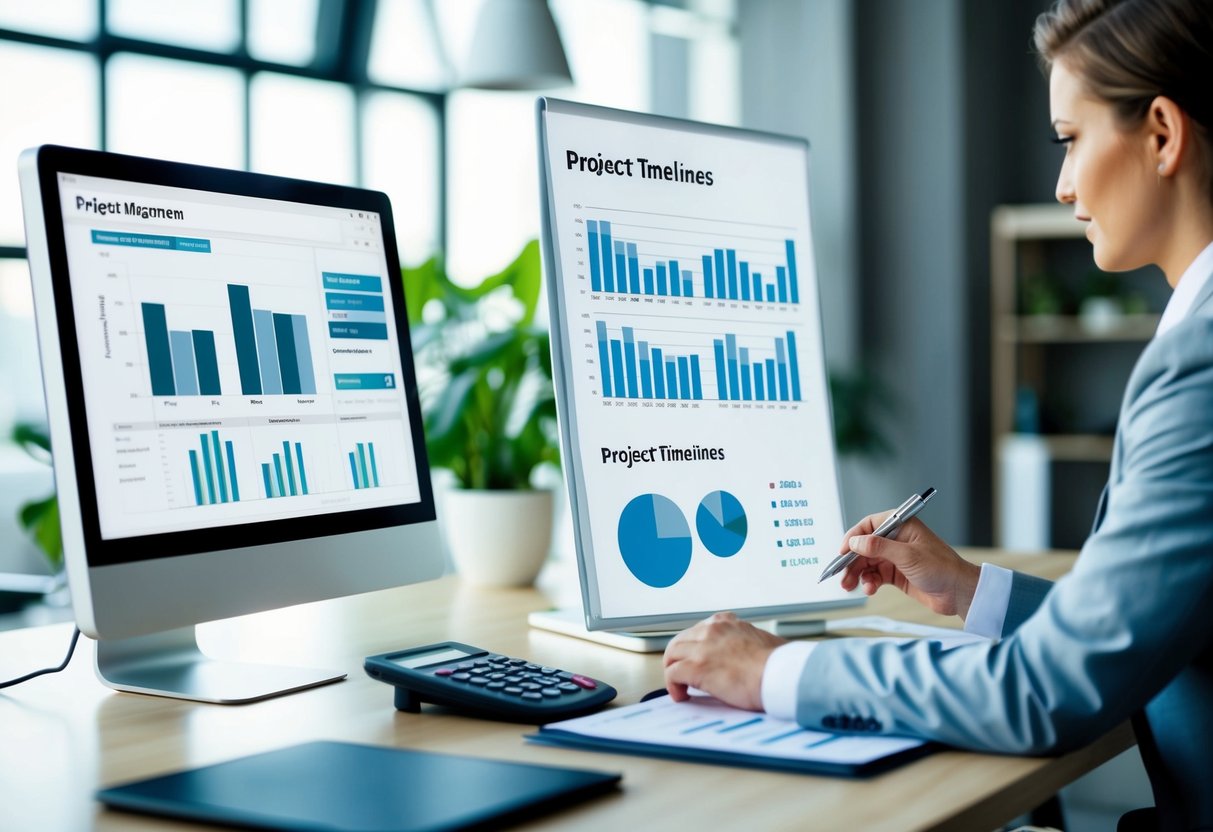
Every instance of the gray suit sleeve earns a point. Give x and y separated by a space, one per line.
1108 637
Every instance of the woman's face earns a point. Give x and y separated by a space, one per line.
1108 175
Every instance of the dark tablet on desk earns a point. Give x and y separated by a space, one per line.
340 786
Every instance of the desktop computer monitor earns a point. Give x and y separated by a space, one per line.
232 405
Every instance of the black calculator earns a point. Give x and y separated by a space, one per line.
485 683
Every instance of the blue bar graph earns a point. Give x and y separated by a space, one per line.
179 362
285 475
213 471
273 350
619 265
740 372
633 368
363 469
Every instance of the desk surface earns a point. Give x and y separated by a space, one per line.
62 736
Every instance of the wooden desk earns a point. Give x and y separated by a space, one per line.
64 735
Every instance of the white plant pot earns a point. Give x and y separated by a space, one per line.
498 538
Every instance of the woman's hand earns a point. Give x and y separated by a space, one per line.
917 562
723 656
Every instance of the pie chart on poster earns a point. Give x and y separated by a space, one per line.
655 540
721 523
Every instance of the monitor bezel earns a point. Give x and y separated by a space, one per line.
55 160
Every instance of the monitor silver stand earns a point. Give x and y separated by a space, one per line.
169 663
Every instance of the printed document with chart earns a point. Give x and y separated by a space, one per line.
690 374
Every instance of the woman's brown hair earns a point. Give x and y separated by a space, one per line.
1128 52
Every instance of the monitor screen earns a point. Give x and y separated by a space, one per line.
690 367
233 408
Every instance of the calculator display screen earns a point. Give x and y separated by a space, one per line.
442 654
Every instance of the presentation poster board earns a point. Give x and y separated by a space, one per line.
687 346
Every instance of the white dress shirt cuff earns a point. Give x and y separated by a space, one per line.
781 678
988 612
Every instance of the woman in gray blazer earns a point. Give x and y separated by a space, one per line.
1129 633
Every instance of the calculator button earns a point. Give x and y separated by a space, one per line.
582 681
493 657
532 695
461 677
495 685
563 674
478 680
547 671
513 680
516 661
568 687
532 667
530 686
496 676
513 690
466 665
547 680
444 671
480 663
551 693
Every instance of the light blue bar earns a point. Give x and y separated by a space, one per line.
657 363
235 486
709 291
646 383
358 331
278 476
595 265
374 468
265 480
197 478
345 302
629 359
688 288
793 366
368 316
722 275
302 472
722 385
633 269
696 382
352 282
290 468
621 267
608 271
745 374
621 387
730 342
303 355
731 255
782 361
219 465
649 288
207 470
684 378
354 471
185 370
366 481
267 352
364 381
275 490
604 361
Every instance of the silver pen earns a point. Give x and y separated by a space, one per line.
891 524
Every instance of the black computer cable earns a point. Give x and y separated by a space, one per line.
71 649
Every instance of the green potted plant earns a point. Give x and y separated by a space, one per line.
485 375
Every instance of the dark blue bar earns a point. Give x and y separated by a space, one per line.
662 285
629 357
781 276
770 294
675 279
671 379
288 363
608 270
303 473
197 478
791 249
265 479
219 466
757 287
646 383
793 366
595 265
604 362
721 275
688 288
696 384
278 476
159 354
745 374
648 282
759 392
782 361
246 339
722 385
354 471
617 362
731 254
684 378
709 290
231 470
730 342
208 471
658 376
621 267
771 394
633 269
745 280
208 364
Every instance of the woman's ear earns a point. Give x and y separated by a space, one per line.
1168 131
